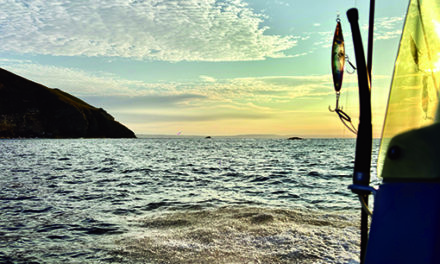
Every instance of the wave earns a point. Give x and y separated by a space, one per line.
241 235
214 196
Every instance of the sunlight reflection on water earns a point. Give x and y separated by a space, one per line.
76 200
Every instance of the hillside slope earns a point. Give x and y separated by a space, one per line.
29 109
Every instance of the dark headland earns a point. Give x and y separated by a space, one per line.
29 110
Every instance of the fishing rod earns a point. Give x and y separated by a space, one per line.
362 165
370 39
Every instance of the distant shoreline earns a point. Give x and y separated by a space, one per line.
250 136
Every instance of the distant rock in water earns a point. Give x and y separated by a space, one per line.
29 109
208 137
294 138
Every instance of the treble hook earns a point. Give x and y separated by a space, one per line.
345 118
351 65
337 103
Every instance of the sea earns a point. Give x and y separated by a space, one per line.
178 200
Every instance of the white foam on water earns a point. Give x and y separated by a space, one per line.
243 235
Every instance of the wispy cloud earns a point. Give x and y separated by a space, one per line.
262 94
164 117
158 105
207 78
153 101
173 30
389 22
384 29
325 39
75 81
389 35
81 83
388 28
282 3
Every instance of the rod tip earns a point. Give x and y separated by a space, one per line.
352 15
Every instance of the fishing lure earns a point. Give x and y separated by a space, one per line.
338 57
338 63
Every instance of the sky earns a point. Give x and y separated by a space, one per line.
202 67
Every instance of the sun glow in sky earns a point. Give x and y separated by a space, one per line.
201 67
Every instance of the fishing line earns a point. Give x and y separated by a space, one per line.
364 204
346 120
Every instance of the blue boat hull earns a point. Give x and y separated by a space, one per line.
405 226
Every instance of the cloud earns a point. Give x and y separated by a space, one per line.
389 35
172 30
75 81
389 22
290 87
384 28
197 104
104 85
207 78
153 101
160 117
281 3
199 100
325 39
388 28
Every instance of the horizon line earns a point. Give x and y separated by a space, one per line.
146 135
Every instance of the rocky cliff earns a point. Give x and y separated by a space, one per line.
29 109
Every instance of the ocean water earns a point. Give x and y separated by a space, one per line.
178 200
